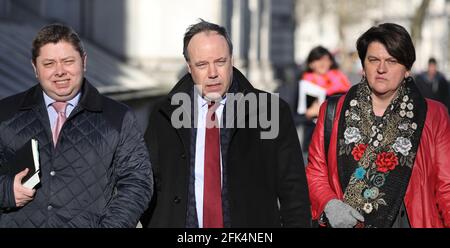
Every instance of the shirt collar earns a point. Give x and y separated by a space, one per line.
74 101
202 101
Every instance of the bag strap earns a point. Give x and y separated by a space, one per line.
329 118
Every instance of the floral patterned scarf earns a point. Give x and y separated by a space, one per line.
376 154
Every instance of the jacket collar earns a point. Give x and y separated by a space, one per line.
33 98
90 98
243 85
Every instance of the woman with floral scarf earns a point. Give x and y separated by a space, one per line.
388 158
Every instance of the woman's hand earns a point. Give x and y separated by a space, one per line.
313 110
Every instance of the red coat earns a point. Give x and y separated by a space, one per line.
427 198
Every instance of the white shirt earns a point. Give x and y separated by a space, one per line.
200 153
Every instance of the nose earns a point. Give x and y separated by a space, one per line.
382 67
60 71
212 71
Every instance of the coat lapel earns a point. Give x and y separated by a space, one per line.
243 86
34 101
184 86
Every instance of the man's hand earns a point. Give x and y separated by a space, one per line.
22 195
342 215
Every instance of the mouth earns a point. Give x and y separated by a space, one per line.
380 78
213 86
61 83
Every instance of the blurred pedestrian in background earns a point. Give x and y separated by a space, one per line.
433 84
323 71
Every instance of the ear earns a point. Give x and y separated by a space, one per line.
188 67
407 74
84 62
36 74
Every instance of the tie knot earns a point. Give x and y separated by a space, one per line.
212 106
60 107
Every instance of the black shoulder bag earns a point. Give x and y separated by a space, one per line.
329 118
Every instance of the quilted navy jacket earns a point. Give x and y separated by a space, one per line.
98 175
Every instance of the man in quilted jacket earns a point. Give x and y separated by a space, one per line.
94 167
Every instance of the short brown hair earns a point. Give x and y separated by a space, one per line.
55 33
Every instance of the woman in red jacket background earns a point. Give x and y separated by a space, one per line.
387 162
321 70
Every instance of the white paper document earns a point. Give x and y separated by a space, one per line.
34 179
305 89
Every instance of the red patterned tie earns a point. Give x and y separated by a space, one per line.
212 190
60 108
